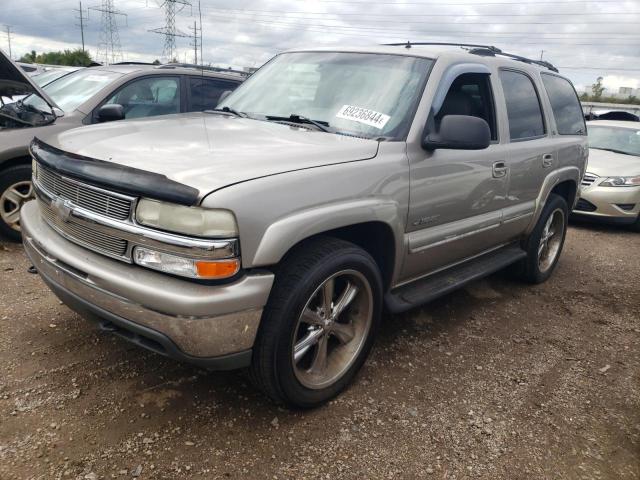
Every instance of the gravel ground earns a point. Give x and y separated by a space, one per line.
498 381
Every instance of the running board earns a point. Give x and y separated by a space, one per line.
426 289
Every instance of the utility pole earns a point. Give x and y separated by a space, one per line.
200 13
169 30
8 30
196 41
109 49
82 19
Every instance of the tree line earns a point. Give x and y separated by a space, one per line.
597 95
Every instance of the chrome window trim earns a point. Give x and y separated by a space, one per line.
139 235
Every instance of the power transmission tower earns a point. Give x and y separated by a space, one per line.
8 30
109 49
82 19
195 43
169 30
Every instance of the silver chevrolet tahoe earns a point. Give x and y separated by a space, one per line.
272 232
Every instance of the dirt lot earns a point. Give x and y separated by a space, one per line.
499 380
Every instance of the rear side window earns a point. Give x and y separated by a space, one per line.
523 106
205 93
565 105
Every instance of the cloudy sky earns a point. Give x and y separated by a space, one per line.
586 39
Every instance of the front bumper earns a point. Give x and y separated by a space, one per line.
606 204
210 325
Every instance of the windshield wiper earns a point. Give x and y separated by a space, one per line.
229 110
295 118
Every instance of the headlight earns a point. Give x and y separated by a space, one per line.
200 222
621 182
184 266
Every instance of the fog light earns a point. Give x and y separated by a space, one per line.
184 266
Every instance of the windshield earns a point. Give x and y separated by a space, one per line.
49 76
74 89
618 139
361 94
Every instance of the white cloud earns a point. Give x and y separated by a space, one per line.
249 32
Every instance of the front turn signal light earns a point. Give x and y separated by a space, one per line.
184 266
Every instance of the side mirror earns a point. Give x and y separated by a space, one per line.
459 132
111 112
224 95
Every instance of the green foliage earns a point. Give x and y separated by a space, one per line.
597 89
631 100
73 58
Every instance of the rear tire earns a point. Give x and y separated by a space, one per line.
319 324
15 190
545 243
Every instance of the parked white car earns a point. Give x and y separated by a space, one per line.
610 189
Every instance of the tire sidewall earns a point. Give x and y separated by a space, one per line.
293 391
554 203
9 177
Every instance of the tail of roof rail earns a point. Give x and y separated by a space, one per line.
483 50
205 68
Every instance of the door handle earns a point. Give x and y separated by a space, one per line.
499 169
547 160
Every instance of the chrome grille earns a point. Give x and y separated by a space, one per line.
83 235
85 196
588 179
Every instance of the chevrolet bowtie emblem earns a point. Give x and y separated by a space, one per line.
62 209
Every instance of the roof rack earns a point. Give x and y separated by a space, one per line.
204 67
132 63
482 50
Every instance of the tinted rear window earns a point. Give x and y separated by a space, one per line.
205 93
565 105
523 106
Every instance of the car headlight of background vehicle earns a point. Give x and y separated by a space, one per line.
621 182
196 221
190 221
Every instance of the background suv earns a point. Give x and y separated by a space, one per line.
77 99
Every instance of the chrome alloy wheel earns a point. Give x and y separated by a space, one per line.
332 329
551 240
11 202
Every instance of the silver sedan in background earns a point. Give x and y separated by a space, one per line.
610 190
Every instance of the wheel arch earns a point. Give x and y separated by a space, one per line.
15 161
374 226
564 182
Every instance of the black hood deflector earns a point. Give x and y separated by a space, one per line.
112 176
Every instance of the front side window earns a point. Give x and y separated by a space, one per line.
361 94
470 94
71 91
565 105
148 97
615 139
523 106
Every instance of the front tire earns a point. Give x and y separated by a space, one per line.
545 243
319 324
15 190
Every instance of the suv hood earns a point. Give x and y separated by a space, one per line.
14 81
608 164
209 151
